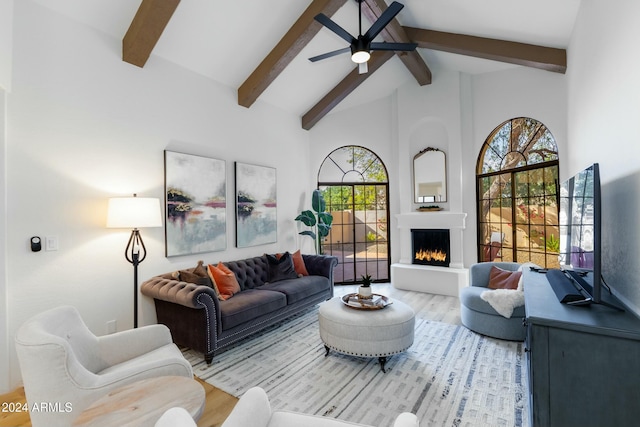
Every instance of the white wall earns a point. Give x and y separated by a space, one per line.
604 107
429 116
84 126
4 308
604 91
6 37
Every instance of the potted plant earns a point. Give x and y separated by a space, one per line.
317 218
365 288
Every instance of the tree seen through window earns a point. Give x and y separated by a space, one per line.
517 182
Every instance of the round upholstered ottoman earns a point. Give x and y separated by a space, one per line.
366 333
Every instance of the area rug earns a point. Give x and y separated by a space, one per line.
449 377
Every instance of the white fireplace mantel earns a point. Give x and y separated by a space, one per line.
454 221
438 219
431 279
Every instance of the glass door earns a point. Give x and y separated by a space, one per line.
359 233
355 186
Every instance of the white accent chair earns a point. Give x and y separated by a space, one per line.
176 417
253 409
66 367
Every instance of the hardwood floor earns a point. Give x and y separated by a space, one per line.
217 407
218 403
10 418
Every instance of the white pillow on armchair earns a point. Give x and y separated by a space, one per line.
504 301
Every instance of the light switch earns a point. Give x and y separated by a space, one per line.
51 243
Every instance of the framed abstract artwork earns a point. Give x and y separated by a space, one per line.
195 204
256 205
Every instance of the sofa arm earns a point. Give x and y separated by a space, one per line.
320 265
175 291
192 312
253 409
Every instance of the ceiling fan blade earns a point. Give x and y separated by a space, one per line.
363 68
386 17
330 54
341 32
394 46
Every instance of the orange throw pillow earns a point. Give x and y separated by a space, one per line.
298 263
224 268
224 281
503 279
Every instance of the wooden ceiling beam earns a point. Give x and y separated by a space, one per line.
528 55
298 36
395 33
145 30
344 88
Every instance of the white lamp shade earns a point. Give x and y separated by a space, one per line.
134 212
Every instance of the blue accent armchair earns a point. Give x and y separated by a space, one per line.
478 315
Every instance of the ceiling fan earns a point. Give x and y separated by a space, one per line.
362 45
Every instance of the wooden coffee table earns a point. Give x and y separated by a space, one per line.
143 402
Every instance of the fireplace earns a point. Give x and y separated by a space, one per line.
433 279
431 247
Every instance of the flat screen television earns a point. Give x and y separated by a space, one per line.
581 227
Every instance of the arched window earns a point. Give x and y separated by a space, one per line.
355 185
517 182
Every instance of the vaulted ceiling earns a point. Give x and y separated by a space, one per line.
261 48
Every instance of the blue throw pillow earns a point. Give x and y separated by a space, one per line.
280 269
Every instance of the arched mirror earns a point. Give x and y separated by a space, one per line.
429 176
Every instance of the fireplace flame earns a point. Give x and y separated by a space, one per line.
437 255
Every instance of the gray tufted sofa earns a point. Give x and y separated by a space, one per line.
198 320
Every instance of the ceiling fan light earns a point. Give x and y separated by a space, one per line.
360 56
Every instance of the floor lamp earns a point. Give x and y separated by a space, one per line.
134 212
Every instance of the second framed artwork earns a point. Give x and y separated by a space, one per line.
256 205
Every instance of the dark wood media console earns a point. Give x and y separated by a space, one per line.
584 362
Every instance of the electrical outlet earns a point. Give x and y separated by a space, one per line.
51 243
111 326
